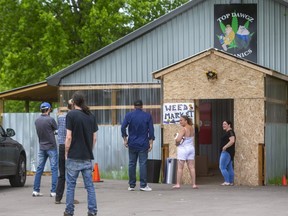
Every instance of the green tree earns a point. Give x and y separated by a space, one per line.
34 46
40 37
143 12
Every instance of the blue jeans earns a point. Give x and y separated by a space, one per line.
133 156
73 168
42 158
226 167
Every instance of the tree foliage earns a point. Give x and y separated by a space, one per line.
40 37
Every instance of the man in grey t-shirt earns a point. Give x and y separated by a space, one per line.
45 127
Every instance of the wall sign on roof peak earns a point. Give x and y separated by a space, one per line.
235 28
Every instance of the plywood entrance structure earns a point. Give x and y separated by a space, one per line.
213 74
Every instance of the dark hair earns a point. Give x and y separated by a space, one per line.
69 106
78 99
44 110
228 122
188 119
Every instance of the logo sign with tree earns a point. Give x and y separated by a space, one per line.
235 30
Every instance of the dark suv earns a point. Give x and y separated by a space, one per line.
12 159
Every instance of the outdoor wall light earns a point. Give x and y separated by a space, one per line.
211 75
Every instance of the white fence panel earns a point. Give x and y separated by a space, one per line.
110 153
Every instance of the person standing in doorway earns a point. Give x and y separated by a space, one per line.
227 151
139 142
61 142
46 127
80 140
185 151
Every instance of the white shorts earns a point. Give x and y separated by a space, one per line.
186 152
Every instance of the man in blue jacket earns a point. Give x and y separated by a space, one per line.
139 143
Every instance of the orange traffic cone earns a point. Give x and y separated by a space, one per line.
284 180
96 174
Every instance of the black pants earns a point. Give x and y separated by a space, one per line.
61 178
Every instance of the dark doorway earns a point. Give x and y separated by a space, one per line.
212 112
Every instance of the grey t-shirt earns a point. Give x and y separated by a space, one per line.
45 127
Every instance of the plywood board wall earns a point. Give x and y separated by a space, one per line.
234 81
249 129
188 81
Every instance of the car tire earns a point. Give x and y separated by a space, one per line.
20 178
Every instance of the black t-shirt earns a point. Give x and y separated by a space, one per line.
82 126
225 140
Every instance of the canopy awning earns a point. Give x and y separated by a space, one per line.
34 92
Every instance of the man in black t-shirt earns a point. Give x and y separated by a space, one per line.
80 140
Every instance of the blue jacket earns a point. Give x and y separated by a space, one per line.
140 129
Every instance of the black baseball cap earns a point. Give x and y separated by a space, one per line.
138 103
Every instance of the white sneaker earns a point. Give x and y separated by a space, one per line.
131 189
225 184
147 188
52 194
36 194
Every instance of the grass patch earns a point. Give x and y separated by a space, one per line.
275 181
121 174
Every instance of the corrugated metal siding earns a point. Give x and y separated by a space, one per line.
109 153
276 100
276 89
185 35
23 124
133 63
276 151
276 129
272 35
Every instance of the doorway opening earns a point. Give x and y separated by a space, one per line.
211 114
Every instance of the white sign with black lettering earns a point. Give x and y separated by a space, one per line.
173 111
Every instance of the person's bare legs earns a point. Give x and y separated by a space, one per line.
191 166
180 166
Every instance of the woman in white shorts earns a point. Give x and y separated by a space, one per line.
185 151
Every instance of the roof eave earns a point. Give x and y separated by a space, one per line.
283 2
161 72
35 92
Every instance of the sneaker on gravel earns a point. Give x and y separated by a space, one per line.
36 194
147 188
57 201
92 214
225 184
66 214
52 194
131 189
